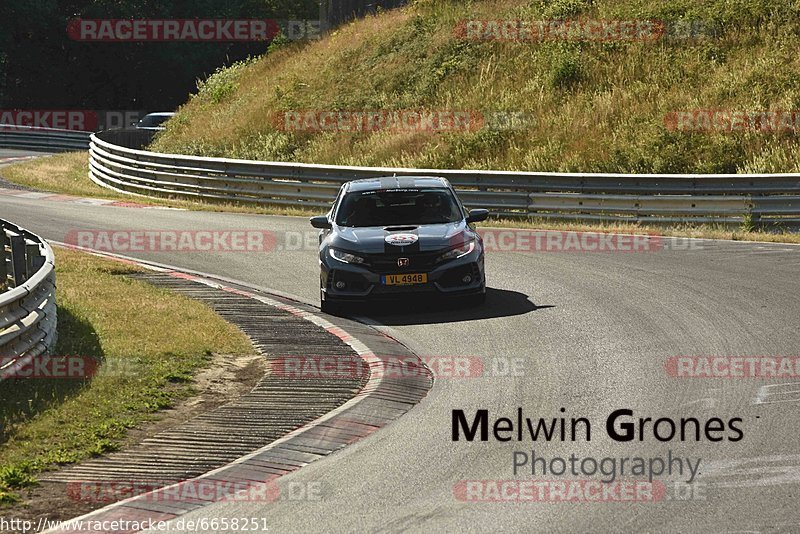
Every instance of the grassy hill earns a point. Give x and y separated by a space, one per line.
591 105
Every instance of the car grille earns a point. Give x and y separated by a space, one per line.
387 263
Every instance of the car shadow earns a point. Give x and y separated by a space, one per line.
433 310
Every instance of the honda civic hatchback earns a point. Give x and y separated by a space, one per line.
387 237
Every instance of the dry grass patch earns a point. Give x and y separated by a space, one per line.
597 106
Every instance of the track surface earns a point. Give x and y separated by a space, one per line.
593 332
8 155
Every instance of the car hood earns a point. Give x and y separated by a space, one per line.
410 238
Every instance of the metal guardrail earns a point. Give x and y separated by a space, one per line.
27 298
669 198
129 137
44 139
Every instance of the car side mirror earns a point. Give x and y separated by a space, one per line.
321 222
477 215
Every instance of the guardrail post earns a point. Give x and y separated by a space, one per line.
324 16
5 259
18 268
755 218
33 259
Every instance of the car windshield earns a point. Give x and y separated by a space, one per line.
394 207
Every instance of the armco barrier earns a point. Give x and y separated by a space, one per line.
27 297
43 139
729 198
129 137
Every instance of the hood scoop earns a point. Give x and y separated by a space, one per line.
400 228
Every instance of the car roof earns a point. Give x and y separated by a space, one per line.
161 114
396 182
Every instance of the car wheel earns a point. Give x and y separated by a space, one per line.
331 307
477 299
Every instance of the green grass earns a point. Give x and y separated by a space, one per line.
66 173
113 320
598 107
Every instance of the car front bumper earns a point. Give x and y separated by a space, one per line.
361 283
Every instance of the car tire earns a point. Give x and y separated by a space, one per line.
478 299
331 307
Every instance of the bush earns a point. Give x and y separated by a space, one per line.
223 82
566 70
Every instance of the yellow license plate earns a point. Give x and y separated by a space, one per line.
404 279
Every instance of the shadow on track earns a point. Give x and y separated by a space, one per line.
408 311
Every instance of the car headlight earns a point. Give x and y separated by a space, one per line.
457 252
345 257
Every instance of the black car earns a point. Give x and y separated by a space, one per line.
386 237
153 121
